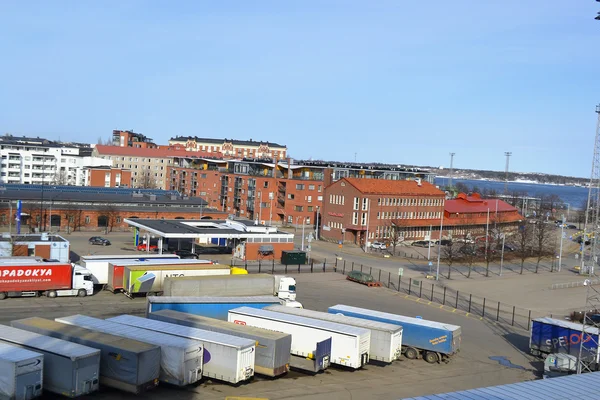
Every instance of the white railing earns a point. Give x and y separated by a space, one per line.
568 285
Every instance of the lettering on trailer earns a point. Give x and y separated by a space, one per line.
438 340
26 272
563 341
237 321
174 275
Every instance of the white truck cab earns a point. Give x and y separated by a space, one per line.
82 284
285 287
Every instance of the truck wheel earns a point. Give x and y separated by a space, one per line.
431 357
411 353
3 295
51 293
81 293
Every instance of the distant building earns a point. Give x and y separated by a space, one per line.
131 139
51 247
231 147
110 177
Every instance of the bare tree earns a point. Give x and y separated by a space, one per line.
60 178
450 254
542 241
523 238
73 215
110 213
396 232
146 181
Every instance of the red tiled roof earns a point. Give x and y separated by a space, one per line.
475 204
160 152
393 187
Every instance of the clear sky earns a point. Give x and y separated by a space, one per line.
400 81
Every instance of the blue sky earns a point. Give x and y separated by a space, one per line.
391 81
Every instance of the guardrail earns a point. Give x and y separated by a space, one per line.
568 285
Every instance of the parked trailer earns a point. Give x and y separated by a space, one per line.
549 335
180 358
386 339
21 373
117 268
281 286
125 364
212 307
148 280
226 358
349 345
435 341
272 348
50 279
70 369
98 265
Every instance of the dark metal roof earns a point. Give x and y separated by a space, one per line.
173 226
33 238
221 141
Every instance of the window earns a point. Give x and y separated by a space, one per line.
299 186
363 219
309 209
354 218
356 202
290 196
319 198
265 184
118 220
299 208
365 203
311 187
319 188
87 219
309 199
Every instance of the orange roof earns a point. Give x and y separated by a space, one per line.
393 187
159 152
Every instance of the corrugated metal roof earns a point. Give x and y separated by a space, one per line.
399 318
317 323
212 299
340 319
184 331
46 343
16 354
567 324
143 335
566 387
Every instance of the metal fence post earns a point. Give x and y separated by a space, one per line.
336 260
273 267
352 265
470 298
324 262
312 263
444 300
246 265
379 276
370 270
432 292
420 289
344 270
259 265
409 285
513 318
456 300
498 313
389 278
361 267
399 281
529 321
298 267
483 312
286 268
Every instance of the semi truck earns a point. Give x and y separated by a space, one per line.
180 358
433 341
49 279
125 364
226 358
272 348
283 287
98 265
212 307
349 345
117 269
550 335
21 373
148 280
386 339
70 369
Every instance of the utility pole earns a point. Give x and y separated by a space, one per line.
507 154
317 225
451 169
367 232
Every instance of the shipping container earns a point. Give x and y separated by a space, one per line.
386 339
349 345
125 364
70 369
436 341
293 257
21 373
212 307
180 358
549 335
272 348
226 358
117 268
149 280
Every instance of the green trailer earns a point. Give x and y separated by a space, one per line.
293 257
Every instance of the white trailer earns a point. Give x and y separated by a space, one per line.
21 373
349 345
386 339
180 358
226 358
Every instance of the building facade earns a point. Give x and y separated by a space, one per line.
231 147
109 177
355 209
131 139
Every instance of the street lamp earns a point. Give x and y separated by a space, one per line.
437 271
303 224
317 225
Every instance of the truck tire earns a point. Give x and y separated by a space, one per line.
3 295
411 353
51 294
431 357
81 293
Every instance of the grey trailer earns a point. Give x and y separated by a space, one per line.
70 369
21 373
180 358
125 364
226 358
272 348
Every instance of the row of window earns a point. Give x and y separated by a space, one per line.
409 215
393 201
136 159
386 232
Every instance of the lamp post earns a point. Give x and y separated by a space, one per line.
429 244
367 232
271 195
437 271
303 223
502 254
317 225
562 235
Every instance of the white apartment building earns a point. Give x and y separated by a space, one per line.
40 161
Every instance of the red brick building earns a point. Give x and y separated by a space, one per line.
131 139
108 177
354 208
231 147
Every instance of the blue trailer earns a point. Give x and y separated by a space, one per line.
549 335
433 341
207 306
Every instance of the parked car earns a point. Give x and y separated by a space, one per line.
143 247
99 241
464 240
378 245
468 250
571 226
185 254
445 242
482 250
580 240
421 243
509 247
